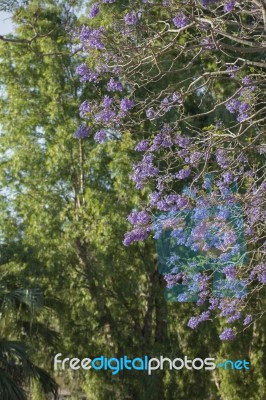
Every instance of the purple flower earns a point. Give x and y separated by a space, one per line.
208 43
100 136
200 213
247 320
131 18
165 106
227 177
154 198
204 316
113 86
207 184
135 235
206 3
182 141
85 107
107 101
259 271
229 6
166 140
150 113
85 33
262 277
233 318
243 107
227 334
86 75
179 235
227 309
193 322
243 112
230 272
126 104
247 80
173 279
172 202
182 297
94 11
242 116
144 169
183 173
177 98
222 158
105 116
143 145
232 70
229 238
92 37
139 218
233 105
214 303
194 158
82 132
158 142
180 20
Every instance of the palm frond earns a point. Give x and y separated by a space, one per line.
9 389
15 364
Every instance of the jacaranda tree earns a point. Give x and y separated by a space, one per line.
189 79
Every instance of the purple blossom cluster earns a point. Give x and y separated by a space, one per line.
113 86
131 18
234 317
248 320
229 5
82 132
259 273
161 140
94 11
139 218
86 74
242 104
173 279
106 112
126 105
143 170
208 43
100 136
232 69
195 321
92 38
85 108
227 335
230 272
143 145
222 158
207 3
137 234
182 141
171 202
183 173
180 20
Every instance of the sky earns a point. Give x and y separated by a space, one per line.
6 25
